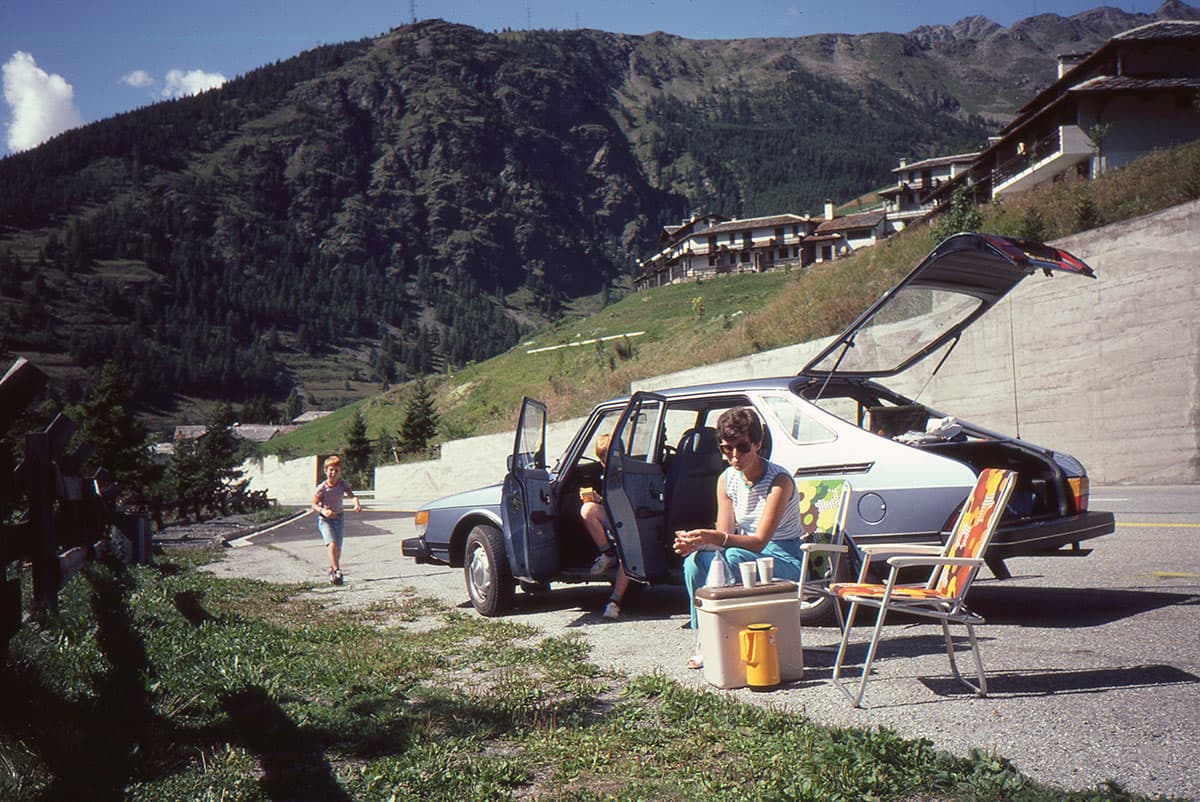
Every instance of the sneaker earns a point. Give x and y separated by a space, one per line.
603 564
612 611
335 576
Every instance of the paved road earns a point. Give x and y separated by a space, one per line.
1093 663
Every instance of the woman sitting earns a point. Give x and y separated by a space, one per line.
758 512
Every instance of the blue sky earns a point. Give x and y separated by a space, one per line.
70 62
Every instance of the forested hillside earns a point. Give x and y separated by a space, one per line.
424 197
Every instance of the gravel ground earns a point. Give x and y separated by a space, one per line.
1093 664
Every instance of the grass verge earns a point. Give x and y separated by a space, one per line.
165 683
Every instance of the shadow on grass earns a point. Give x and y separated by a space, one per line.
292 759
86 743
91 743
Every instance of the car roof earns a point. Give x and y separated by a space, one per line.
733 387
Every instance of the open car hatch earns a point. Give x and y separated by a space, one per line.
953 287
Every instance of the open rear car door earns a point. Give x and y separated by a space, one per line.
528 504
633 487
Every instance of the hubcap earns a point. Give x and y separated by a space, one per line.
480 573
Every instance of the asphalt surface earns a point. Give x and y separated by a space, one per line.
1093 662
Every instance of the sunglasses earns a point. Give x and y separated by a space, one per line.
742 447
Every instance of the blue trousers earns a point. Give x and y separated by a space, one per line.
696 565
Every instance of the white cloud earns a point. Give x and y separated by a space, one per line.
42 105
138 79
192 82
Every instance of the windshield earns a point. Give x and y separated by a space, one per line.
912 320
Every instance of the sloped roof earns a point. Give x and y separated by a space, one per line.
851 221
1115 83
1166 29
937 161
1155 31
755 222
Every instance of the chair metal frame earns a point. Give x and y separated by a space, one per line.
953 569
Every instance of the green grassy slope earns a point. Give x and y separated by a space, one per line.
741 314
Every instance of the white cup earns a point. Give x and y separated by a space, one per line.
749 574
766 570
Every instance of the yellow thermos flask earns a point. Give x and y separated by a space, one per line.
761 656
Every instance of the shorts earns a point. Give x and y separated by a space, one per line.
332 530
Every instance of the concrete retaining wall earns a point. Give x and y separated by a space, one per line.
288 482
1107 370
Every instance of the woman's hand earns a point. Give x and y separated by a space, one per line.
687 541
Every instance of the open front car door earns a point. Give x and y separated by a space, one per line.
528 501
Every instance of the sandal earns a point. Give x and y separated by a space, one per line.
696 661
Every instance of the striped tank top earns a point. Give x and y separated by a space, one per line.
749 501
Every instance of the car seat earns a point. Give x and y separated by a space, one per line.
691 481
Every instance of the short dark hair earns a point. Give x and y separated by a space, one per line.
739 422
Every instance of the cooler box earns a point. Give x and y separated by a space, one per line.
725 611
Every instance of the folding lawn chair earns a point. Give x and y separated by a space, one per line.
953 568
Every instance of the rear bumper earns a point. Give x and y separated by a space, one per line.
1040 537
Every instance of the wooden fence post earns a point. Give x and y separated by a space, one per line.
44 546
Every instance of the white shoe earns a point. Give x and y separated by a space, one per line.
612 611
603 564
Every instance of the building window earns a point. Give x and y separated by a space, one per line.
747 239
745 257
826 253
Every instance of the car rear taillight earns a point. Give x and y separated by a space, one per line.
421 521
1079 489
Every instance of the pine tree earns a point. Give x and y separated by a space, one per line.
292 407
205 472
421 419
358 446
120 444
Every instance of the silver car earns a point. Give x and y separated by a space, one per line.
910 466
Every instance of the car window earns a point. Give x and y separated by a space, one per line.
847 409
639 432
604 425
795 422
912 319
678 421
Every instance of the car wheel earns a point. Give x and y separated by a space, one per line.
489 579
820 610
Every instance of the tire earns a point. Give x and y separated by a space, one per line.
485 568
820 610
